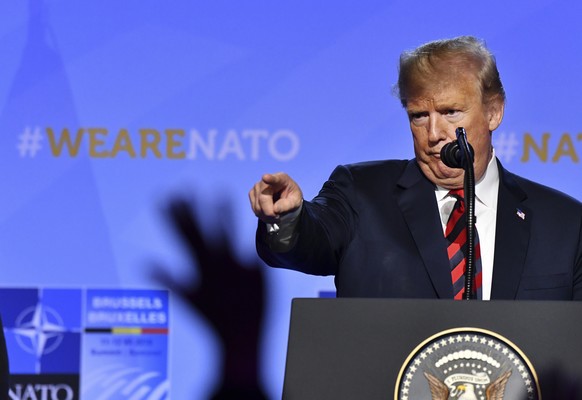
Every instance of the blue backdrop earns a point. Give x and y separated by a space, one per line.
111 109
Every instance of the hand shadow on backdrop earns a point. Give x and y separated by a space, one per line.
227 292
558 384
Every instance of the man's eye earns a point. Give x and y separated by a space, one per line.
452 113
417 116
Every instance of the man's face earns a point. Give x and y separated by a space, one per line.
436 110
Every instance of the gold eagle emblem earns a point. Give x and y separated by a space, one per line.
495 391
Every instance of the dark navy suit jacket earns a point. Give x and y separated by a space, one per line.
376 227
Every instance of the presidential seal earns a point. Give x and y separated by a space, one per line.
467 364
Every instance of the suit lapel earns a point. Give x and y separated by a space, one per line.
417 202
511 237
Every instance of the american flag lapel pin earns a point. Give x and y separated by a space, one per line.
520 214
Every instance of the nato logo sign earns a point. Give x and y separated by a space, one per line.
43 336
69 344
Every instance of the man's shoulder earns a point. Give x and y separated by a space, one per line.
378 166
381 173
372 172
535 191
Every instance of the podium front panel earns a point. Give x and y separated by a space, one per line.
357 348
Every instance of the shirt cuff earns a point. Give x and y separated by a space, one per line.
281 232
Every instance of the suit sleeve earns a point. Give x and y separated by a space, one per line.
325 227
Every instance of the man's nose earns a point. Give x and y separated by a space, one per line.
437 128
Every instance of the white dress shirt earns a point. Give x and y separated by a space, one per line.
486 191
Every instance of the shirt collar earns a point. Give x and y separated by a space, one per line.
487 188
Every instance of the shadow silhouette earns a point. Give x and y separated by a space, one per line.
229 294
557 384
4 377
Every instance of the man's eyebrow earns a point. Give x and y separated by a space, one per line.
415 112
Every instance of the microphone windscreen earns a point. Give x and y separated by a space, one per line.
451 155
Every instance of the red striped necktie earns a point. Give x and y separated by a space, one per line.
456 235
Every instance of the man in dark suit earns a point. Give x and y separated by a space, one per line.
379 227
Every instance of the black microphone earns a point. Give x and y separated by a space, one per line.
452 156
460 154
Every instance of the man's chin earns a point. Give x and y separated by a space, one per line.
445 177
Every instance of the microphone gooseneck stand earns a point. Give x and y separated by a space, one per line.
459 154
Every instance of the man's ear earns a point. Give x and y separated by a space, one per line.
495 110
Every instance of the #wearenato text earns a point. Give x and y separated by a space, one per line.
247 144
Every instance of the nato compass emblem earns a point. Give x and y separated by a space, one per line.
39 330
467 364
